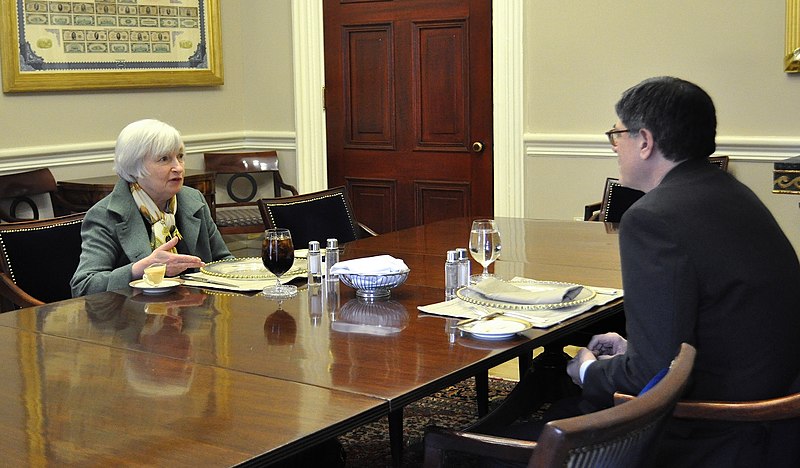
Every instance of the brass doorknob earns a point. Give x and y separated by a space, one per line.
477 147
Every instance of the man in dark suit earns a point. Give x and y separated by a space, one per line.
703 262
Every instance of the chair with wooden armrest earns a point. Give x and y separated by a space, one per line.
314 216
780 416
38 259
772 409
25 196
242 215
623 435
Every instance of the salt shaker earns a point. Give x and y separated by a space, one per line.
451 275
463 267
314 266
331 258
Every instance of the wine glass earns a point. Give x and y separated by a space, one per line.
484 246
277 253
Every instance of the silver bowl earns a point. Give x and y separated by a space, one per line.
374 286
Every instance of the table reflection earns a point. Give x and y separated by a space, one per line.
280 328
371 317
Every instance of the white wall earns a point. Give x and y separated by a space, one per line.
73 132
579 57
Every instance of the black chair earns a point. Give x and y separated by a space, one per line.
314 216
721 161
242 216
25 196
620 436
616 200
38 259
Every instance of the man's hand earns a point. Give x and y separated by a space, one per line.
574 365
607 344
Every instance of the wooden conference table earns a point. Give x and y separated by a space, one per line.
198 375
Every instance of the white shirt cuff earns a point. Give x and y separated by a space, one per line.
582 371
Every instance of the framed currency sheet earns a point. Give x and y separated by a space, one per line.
791 56
50 45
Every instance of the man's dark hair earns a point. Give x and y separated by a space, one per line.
680 115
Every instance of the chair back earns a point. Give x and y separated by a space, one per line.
312 216
242 215
616 200
39 258
623 435
721 161
25 195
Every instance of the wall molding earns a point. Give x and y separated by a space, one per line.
33 157
741 149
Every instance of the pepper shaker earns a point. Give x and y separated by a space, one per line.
463 267
331 258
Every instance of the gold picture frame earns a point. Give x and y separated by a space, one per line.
791 57
57 45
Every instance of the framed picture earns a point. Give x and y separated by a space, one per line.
791 57
53 45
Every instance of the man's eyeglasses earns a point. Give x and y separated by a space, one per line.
613 135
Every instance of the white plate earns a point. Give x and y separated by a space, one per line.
163 287
498 328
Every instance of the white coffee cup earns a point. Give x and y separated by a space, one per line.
154 274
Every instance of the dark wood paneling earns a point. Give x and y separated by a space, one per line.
441 94
369 98
374 202
435 200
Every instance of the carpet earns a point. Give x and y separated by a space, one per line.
454 408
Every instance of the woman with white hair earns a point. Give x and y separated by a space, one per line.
150 216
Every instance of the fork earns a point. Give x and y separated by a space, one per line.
487 316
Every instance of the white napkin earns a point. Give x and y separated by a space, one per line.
498 290
378 265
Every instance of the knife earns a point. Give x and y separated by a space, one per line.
478 319
209 280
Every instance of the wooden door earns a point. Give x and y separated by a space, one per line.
409 108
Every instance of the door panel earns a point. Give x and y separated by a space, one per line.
408 91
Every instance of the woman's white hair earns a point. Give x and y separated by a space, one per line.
147 138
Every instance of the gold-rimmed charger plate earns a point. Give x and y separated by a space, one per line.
475 297
249 268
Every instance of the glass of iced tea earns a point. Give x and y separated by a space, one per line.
277 253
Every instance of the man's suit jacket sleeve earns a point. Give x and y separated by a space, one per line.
660 300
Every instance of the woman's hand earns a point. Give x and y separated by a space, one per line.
176 263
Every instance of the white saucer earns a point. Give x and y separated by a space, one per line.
500 328
163 287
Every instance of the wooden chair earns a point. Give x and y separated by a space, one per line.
620 436
22 191
783 412
242 215
314 216
38 259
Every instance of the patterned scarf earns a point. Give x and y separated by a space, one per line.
162 223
